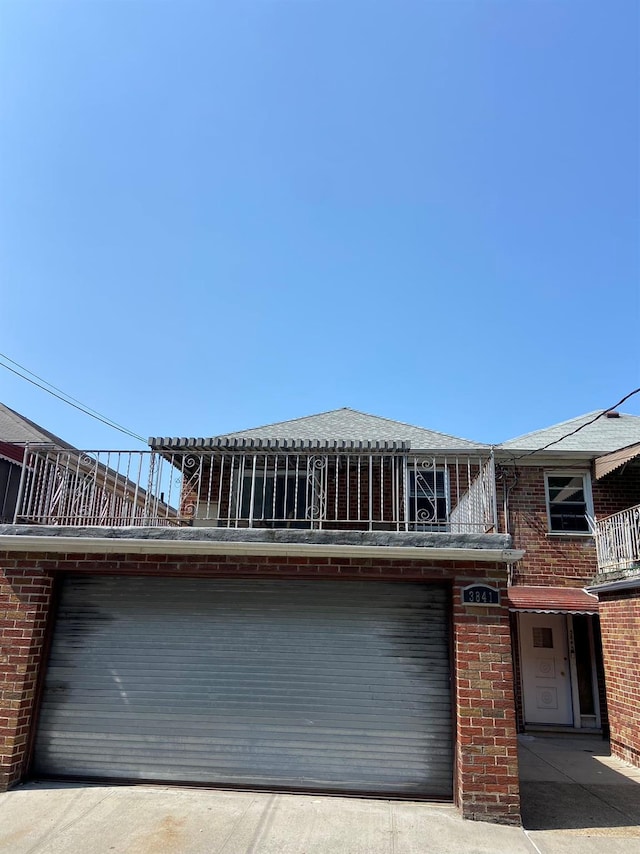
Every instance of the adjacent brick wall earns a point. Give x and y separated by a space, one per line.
486 784
561 560
620 626
25 596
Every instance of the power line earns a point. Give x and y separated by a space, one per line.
577 430
66 398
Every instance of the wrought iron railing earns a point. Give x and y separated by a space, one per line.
343 491
618 540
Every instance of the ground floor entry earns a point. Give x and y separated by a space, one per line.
559 672
312 685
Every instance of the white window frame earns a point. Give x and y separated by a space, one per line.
588 500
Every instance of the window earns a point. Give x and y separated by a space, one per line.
569 502
542 637
276 498
428 498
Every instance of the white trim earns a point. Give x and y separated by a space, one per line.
573 670
588 498
130 545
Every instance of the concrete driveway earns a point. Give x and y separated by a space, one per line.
574 800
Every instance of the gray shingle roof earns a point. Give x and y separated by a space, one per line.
604 435
336 426
16 429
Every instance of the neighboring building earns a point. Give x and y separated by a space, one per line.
297 608
16 432
551 498
617 586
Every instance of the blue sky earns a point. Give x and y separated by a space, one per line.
215 215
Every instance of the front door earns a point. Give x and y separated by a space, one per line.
546 678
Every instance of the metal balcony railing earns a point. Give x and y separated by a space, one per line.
339 491
618 541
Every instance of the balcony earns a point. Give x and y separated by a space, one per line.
618 543
364 490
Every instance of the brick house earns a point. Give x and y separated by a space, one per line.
315 605
549 501
338 603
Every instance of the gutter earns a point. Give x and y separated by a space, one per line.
622 584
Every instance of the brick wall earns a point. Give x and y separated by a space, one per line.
560 559
620 626
617 491
25 595
486 783
487 749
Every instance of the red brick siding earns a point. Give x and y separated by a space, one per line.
563 560
25 595
615 492
487 750
620 626
486 784
560 560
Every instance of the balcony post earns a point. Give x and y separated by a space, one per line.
23 474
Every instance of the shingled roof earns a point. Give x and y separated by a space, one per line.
338 427
16 429
602 436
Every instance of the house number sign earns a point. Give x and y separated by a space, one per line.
480 594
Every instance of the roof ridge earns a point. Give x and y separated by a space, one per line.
286 421
357 412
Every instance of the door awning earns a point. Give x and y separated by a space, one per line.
552 600
611 462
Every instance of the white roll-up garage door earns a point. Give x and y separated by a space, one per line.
335 686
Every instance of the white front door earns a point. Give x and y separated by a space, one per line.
546 674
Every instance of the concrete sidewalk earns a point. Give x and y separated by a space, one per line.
575 799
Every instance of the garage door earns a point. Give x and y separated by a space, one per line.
341 686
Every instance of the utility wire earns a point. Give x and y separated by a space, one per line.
51 385
66 398
577 430
72 401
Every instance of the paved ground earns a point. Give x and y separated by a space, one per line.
575 799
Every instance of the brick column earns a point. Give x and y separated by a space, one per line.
25 597
620 627
487 749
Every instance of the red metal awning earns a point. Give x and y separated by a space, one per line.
14 453
552 600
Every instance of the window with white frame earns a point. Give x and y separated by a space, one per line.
569 503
